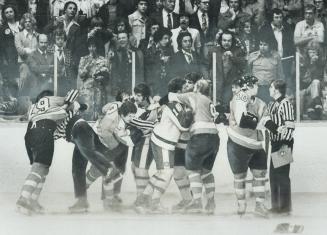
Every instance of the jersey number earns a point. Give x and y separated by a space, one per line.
43 104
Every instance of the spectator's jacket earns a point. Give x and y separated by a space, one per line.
69 63
7 46
23 44
158 16
41 65
210 32
138 24
180 65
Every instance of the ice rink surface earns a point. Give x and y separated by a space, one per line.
310 210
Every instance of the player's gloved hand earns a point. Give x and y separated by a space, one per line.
249 120
71 96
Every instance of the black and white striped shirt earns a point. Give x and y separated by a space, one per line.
281 112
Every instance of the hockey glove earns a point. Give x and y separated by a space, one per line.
249 120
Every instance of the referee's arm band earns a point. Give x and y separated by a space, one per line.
271 126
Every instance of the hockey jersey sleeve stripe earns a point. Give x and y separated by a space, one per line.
176 121
142 124
71 96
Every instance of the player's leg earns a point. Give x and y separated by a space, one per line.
207 176
238 157
181 180
79 164
92 175
258 166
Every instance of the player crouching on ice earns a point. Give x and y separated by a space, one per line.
44 116
248 115
104 146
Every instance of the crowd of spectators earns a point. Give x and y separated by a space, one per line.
91 43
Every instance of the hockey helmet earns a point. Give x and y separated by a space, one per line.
247 81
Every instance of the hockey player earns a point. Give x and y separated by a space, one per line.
105 147
164 139
245 144
43 117
202 148
180 175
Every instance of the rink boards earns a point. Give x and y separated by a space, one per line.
308 172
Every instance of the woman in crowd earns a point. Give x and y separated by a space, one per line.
158 60
94 73
282 114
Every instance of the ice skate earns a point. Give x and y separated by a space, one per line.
241 208
142 204
260 210
112 204
118 199
289 228
194 207
36 207
80 206
180 207
210 206
158 208
24 207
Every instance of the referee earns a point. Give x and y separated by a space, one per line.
282 114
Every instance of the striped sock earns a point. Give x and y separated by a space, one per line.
36 193
209 184
182 183
117 186
259 189
108 189
162 180
195 184
239 186
142 178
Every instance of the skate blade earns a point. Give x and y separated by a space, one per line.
194 211
81 211
140 210
259 215
24 211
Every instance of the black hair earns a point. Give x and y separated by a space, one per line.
230 33
176 84
193 76
59 33
43 94
67 4
280 85
122 20
158 35
143 89
4 20
180 38
126 108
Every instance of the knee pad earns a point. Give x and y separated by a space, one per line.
259 173
179 172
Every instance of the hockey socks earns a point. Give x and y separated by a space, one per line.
259 181
92 175
161 180
141 177
208 180
37 175
196 184
182 182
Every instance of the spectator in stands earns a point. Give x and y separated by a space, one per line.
42 14
21 6
66 76
184 22
185 60
122 25
148 42
40 63
266 65
293 9
26 44
138 21
122 64
231 63
111 12
321 14
308 29
248 36
166 18
312 74
230 19
94 73
158 62
256 9
100 33
281 36
8 51
204 22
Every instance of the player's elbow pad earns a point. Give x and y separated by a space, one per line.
249 120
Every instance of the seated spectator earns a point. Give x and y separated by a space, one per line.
26 44
231 63
40 63
247 36
158 61
138 21
8 52
308 29
265 64
184 22
94 73
122 25
311 82
185 60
